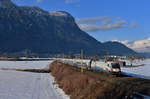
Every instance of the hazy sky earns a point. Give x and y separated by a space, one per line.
104 19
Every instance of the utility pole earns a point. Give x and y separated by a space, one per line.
107 56
81 56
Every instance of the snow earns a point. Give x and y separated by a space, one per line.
24 64
58 13
141 71
27 85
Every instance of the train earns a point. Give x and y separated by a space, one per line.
111 67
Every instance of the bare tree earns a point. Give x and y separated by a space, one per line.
131 59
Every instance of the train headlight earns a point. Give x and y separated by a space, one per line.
116 70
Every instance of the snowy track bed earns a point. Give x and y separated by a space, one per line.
26 85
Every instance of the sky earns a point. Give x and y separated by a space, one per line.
122 20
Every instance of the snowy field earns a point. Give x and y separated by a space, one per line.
141 71
24 64
27 85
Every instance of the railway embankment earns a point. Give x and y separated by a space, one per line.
90 84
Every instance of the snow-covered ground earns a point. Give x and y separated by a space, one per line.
27 85
24 64
141 71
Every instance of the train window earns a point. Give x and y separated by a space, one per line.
115 65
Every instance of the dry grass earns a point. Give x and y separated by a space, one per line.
95 84
28 70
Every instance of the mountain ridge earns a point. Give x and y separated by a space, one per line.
31 28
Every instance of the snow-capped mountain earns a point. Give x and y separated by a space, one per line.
138 45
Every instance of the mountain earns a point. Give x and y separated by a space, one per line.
26 28
116 48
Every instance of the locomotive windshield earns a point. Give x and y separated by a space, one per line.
115 65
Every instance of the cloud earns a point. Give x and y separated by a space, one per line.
102 24
91 20
141 45
89 27
110 26
71 1
38 1
125 42
138 45
133 25
90 24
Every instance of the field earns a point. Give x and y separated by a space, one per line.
141 71
87 85
28 85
